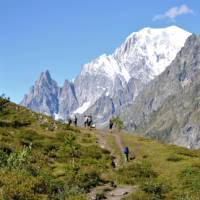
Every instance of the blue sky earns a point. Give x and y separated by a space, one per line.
61 35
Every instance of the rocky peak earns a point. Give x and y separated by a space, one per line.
119 76
43 96
168 108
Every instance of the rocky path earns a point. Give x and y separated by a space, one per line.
107 191
101 140
118 142
119 192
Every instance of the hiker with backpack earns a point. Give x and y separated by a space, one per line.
69 121
75 120
110 124
126 153
89 121
85 121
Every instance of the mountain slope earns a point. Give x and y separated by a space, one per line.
44 159
143 55
118 77
168 108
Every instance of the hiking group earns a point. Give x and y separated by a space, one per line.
88 121
74 121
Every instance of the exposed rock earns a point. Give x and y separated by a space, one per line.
110 82
169 107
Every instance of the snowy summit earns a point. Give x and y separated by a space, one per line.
110 81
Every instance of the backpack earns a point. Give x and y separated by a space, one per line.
126 151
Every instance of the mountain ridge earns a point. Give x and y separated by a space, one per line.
119 76
168 108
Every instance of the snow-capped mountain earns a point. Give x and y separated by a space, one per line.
168 109
117 79
145 54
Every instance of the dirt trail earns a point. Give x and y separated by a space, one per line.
110 192
101 140
118 142
119 192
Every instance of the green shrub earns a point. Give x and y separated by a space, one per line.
155 188
174 158
136 172
190 178
80 180
29 135
187 152
5 123
87 180
118 123
3 158
17 186
92 151
17 123
6 149
19 160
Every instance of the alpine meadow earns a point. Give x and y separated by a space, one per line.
99 100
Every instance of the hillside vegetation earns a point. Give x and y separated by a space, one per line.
44 159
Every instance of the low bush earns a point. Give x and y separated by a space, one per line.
19 160
29 135
136 172
155 189
17 186
174 158
187 152
3 158
190 178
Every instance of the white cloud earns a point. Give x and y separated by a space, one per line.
173 12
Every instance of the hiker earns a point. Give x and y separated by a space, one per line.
89 121
69 121
126 153
75 120
85 121
110 124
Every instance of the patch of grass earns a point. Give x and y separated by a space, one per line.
174 158
187 152
190 177
155 189
166 161
136 172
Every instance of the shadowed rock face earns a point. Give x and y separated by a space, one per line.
46 97
169 107
67 99
43 96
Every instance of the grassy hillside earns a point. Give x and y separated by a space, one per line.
43 159
159 170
